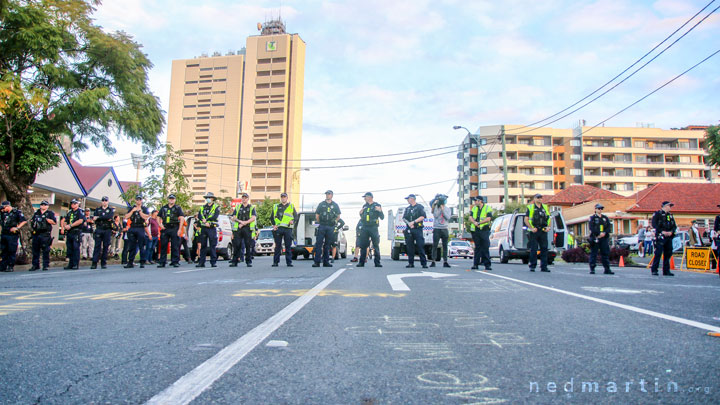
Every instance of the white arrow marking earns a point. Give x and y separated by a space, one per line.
397 284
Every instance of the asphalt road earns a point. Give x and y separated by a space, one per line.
342 335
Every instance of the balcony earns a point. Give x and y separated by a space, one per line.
474 179
474 165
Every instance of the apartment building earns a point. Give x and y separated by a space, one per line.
238 117
623 160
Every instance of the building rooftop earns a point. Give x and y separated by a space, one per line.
687 197
579 194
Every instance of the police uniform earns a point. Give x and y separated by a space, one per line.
9 239
194 251
282 215
73 237
41 239
481 236
336 235
599 224
663 222
716 227
170 217
539 218
369 223
136 237
208 214
87 242
103 234
414 236
243 235
327 213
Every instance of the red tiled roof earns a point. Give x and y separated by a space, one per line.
89 175
578 194
701 198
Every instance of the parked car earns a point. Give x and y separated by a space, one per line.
509 240
629 242
304 240
224 232
265 244
460 248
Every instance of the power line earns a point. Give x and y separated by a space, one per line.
614 78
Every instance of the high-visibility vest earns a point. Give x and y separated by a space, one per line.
212 211
483 214
287 215
531 213
235 214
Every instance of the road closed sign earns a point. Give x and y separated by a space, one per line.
698 258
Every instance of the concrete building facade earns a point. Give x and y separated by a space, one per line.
623 160
238 117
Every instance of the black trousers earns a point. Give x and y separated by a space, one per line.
663 247
9 245
283 235
415 244
169 234
136 242
184 249
72 242
323 240
208 241
368 234
102 237
41 245
242 245
602 245
481 254
538 241
440 235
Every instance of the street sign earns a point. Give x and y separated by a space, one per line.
698 258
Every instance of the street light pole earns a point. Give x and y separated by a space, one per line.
293 181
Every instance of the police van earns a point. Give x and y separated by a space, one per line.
304 237
509 237
224 232
396 229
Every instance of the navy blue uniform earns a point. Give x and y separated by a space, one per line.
598 225
136 236
328 214
8 239
414 239
369 223
103 234
208 234
242 236
73 237
41 239
170 217
663 221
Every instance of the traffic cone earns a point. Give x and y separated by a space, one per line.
672 263
622 262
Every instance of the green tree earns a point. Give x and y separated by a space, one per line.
511 207
712 137
61 75
264 212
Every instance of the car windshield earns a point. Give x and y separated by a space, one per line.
459 243
265 234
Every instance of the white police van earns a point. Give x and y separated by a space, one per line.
509 237
396 229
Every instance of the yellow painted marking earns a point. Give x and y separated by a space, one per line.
25 300
298 293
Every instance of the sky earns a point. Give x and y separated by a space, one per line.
395 76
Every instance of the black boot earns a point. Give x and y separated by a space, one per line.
93 266
33 268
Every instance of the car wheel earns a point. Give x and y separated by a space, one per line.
306 255
395 254
343 255
229 252
504 257
550 261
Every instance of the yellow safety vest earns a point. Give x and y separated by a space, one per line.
287 215
531 213
483 215
252 224
212 211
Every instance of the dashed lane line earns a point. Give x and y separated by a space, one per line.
672 318
194 383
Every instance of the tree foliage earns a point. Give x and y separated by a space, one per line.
264 212
712 137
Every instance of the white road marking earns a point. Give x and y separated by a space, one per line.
683 321
55 273
276 343
397 284
613 290
188 271
192 384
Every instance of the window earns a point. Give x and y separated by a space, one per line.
206 81
483 141
220 67
190 106
219 92
188 118
483 170
218 104
575 157
190 81
193 65
483 184
482 156
220 80
205 69
575 172
191 94
574 142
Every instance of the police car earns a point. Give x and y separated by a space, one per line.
396 229
509 240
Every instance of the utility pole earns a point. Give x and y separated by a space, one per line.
505 168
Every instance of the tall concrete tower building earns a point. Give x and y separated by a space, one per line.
238 117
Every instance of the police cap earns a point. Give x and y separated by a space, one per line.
138 197
369 194
245 195
329 192
664 203
410 196
75 201
599 206
171 197
5 203
44 202
283 195
105 198
538 196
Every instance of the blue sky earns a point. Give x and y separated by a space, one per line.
393 76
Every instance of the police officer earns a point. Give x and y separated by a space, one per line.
327 215
599 239
283 218
195 239
243 218
208 221
71 226
480 218
665 227
87 243
716 239
414 216
171 219
336 235
538 223
136 233
103 219
12 219
370 215
41 224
